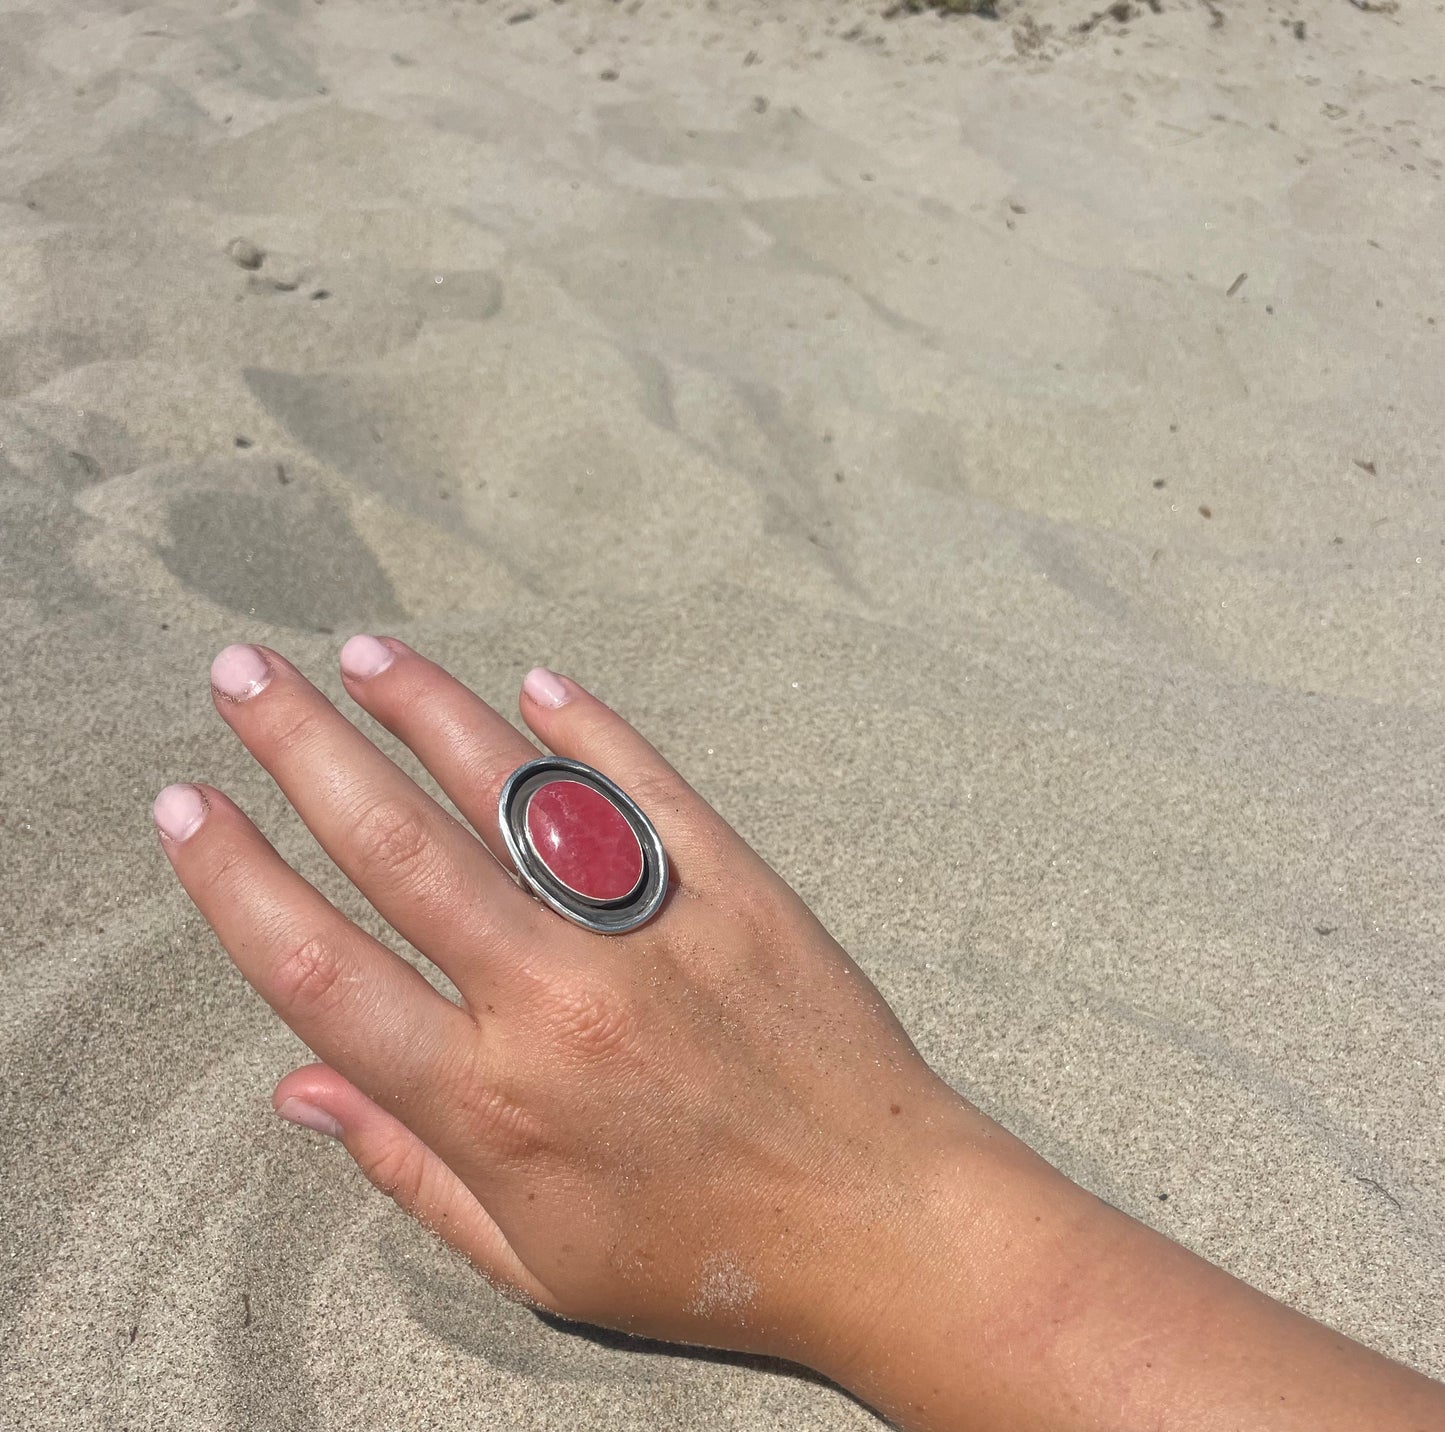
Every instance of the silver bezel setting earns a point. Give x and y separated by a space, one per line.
613 917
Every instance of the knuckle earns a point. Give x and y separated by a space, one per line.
226 868
392 836
294 725
483 1112
710 859
590 1021
492 1118
399 1169
759 908
309 977
420 701
656 791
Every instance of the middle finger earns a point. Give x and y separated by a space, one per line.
427 875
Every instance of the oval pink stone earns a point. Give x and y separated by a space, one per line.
584 840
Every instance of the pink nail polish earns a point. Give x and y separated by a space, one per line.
546 688
298 1111
178 812
364 657
239 672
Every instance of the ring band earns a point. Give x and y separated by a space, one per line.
582 845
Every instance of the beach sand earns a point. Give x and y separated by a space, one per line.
998 464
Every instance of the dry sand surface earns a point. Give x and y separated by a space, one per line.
998 463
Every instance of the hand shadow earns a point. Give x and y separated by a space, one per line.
448 1298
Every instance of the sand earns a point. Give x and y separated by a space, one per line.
998 463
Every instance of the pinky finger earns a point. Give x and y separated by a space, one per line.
397 1162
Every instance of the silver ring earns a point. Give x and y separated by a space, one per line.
582 845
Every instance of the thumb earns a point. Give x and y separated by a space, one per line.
406 1170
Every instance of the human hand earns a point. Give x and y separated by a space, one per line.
704 1130
710 1129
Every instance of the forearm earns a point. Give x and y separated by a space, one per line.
1033 1305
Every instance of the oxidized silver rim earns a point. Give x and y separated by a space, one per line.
614 917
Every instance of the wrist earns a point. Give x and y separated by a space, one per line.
922 1274
1002 1295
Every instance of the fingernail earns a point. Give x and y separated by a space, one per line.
298 1111
546 688
178 812
364 656
239 672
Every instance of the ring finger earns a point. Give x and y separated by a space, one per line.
471 750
